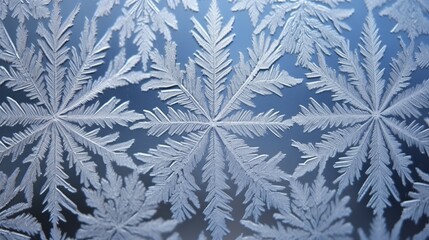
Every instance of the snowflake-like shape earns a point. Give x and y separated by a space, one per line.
370 119
316 212
305 24
213 121
121 211
59 82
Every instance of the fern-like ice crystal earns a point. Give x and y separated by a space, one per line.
370 119
121 211
306 25
213 124
59 117
316 212
14 224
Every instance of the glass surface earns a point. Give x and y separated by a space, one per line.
239 119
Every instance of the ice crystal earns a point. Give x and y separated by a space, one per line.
56 119
213 125
316 212
305 24
370 117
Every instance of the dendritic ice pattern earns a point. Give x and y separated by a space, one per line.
370 115
216 119
305 24
212 124
316 212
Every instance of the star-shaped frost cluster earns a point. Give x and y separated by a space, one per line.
215 125
369 120
60 120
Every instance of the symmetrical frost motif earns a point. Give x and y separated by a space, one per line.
65 172
57 121
369 119
213 122
316 212
306 25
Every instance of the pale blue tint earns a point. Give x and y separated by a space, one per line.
164 120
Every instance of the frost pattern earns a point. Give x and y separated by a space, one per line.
121 211
422 56
306 25
143 19
369 120
378 230
24 9
14 224
418 206
60 145
414 209
316 212
56 120
411 16
213 122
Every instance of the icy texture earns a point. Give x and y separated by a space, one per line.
213 124
170 119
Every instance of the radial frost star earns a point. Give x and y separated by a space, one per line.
369 120
213 123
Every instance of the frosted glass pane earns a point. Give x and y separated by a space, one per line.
239 119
